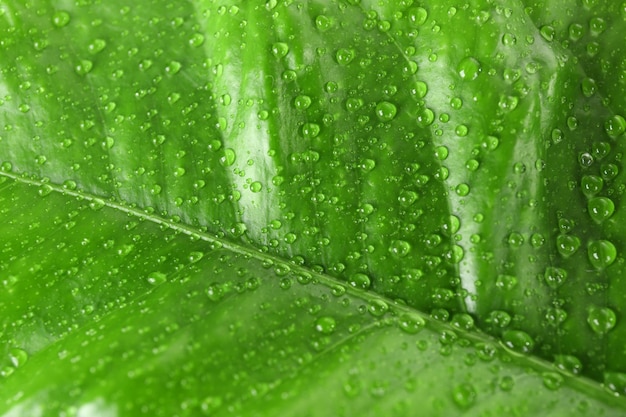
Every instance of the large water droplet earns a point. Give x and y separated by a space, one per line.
469 68
325 325
518 340
601 319
555 277
600 209
615 126
386 111
464 395
601 253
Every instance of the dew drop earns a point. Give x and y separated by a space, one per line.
411 324
464 395
469 68
591 185
60 19
600 208
555 277
615 126
417 16
326 325
280 49
256 187
228 158
323 23
377 308
567 245
420 89
601 253
197 39
386 111
310 130
156 278
399 248
344 56
302 102
601 320
360 281
83 67
518 340
425 117
18 357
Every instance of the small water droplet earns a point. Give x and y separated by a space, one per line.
156 278
197 39
18 357
600 208
411 324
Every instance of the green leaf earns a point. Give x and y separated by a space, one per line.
311 208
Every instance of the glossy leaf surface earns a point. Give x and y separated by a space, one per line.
253 209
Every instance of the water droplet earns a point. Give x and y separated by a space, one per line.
173 67
509 39
552 380
360 281
156 278
600 208
417 16
461 130
195 256
420 89
310 130
576 31
325 325
568 363
407 198
567 245
499 318
518 340
399 248
506 282
197 39
83 67
464 395
425 117
345 56
615 126
18 357
456 103
256 187
601 319
377 308
547 32
386 111
60 19
228 158
601 253
323 23
555 277
469 68
96 46
411 324
591 185
462 190
302 102
280 49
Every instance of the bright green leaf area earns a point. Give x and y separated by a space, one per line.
312 208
